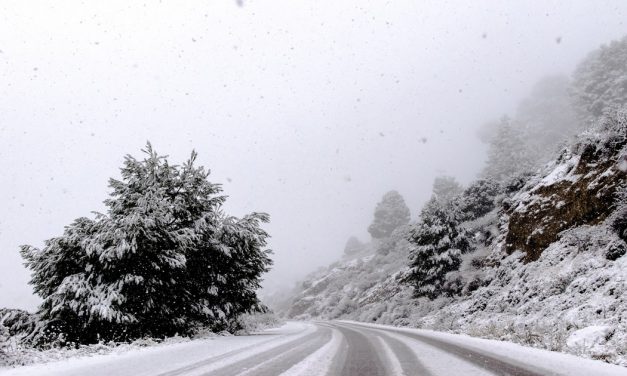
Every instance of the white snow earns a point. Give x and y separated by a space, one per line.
588 336
561 172
394 363
159 359
555 362
318 363
437 361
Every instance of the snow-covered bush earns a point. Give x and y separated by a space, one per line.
19 322
4 344
252 322
162 260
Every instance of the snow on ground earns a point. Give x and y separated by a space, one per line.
591 335
318 363
162 358
560 363
395 364
439 362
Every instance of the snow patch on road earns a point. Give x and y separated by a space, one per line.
437 361
319 363
558 363
393 362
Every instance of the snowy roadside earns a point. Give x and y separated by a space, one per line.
163 357
559 363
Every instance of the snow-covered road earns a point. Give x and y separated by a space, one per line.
330 348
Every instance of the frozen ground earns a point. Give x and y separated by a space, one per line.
536 361
162 358
330 348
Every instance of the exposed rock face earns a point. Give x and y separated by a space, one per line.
580 190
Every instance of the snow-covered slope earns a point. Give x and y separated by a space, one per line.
551 274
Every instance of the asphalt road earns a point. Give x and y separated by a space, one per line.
362 351
336 348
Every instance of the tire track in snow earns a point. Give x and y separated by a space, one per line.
358 356
237 354
320 362
276 360
487 361
402 359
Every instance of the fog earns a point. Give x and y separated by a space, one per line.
309 110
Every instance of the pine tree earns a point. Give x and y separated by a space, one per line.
600 81
446 188
4 340
436 245
477 200
390 213
224 270
507 154
353 246
162 260
546 118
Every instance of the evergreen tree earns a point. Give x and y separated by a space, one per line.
446 188
600 81
4 340
507 154
164 259
546 118
436 245
477 200
389 214
353 246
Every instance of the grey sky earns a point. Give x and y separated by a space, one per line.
308 110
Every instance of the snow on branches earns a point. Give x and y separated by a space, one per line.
163 259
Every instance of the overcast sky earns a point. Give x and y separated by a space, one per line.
307 110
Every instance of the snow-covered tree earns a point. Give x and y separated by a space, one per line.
436 245
389 214
546 118
477 200
225 268
353 245
446 188
162 260
508 155
600 81
4 340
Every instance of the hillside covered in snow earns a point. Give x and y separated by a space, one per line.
546 265
532 252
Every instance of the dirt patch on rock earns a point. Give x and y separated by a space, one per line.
587 197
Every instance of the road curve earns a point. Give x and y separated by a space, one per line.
359 350
335 348
473 361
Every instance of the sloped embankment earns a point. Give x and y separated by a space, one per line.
555 275
580 190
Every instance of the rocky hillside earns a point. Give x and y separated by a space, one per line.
547 265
